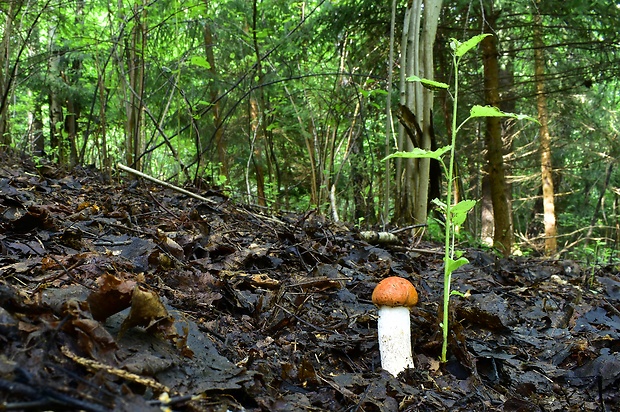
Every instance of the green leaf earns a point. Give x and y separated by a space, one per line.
455 264
525 117
460 210
200 61
490 111
262 34
461 48
418 153
486 111
441 205
463 206
429 84
459 293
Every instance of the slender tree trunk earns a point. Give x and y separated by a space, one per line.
309 139
389 126
6 74
509 128
417 59
258 114
56 115
101 129
135 69
486 210
220 142
363 204
405 183
256 152
71 128
74 108
549 217
599 204
329 174
36 141
502 233
432 8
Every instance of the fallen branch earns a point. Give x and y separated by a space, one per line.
379 238
165 184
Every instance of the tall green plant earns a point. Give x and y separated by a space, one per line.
456 214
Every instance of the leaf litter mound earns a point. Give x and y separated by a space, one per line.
127 296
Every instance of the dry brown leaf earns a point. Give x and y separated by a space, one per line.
113 296
147 311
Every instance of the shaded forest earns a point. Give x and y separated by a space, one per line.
199 198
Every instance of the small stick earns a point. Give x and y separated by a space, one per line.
165 184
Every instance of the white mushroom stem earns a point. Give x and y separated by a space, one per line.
394 330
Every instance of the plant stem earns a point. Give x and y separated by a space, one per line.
449 251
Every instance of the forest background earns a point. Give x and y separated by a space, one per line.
293 105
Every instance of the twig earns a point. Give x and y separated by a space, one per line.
165 184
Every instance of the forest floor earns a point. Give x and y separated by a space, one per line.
127 296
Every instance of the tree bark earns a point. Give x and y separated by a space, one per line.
74 109
256 153
599 204
417 56
56 115
388 119
502 231
135 69
220 142
549 217
432 9
37 142
259 109
6 73
486 211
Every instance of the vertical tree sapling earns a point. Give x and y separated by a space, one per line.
455 214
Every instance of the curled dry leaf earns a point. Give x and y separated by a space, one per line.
114 295
147 311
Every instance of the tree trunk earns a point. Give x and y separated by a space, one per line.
135 69
549 218
388 120
218 137
432 9
71 77
599 204
486 211
502 231
101 129
56 115
258 105
36 140
403 204
256 153
311 139
417 56
6 74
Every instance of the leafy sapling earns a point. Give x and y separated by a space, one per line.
456 214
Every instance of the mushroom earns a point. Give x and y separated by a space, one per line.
394 296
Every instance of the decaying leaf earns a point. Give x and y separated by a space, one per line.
148 312
113 296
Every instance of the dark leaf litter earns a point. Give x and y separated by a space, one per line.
130 297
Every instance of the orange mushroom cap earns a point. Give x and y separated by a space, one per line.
395 291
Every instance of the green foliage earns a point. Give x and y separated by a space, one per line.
323 79
456 214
